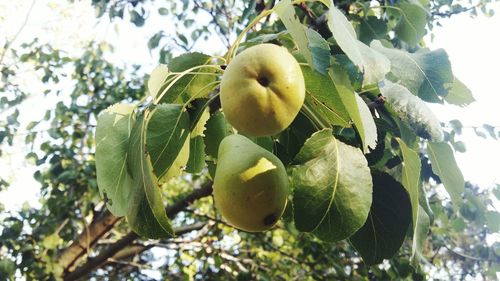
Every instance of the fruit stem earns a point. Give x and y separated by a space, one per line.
236 44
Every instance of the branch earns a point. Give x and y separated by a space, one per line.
171 210
86 240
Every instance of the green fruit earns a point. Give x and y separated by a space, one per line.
262 90
250 185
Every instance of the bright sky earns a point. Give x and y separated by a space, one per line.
472 44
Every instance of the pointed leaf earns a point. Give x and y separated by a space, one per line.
369 127
384 231
323 96
459 94
199 84
444 165
410 177
146 213
412 110
419 236
167 130
425 74
112 137
371 63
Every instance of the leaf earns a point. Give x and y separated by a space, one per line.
369 127
217 129
348 96
412 110
411 26
112 138
332 187
156 80
371 28
179 164
311 44
425 74
390 215
410 177
371 63
196 161
325 99
146 213
444 165
52 241
199 84
320 51
459 94
167 130
419 236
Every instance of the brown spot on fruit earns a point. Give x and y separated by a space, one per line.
270 219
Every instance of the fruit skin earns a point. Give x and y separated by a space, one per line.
262 90
250 185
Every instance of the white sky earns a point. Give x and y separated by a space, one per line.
473 46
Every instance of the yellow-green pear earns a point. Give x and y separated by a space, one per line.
262 90
250 185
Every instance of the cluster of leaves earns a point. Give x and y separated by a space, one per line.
337 192
343 72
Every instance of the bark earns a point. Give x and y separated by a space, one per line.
103 256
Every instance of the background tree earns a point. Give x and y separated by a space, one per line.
73 235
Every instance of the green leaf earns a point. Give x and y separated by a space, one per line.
384 231
371 63
52 241
199 84
325 99
411 26
137 19
320 51
167 130
179 164
412 110
371 28
146 213
350 100
196 161
332 187
419 236
444 165
311 44
369 127
217 129
7 269
459 94
112 138
410 177
158 77
425 74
